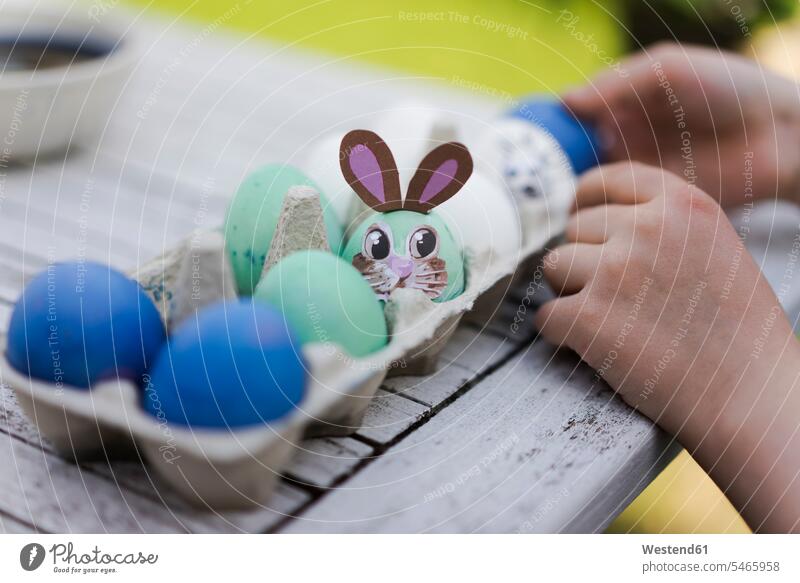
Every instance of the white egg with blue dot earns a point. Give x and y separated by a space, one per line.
528 160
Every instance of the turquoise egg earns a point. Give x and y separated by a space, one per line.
324 299
253 215
398 228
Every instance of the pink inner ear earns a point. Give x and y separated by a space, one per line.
365 166
443 176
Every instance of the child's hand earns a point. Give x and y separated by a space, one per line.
703 114
665 302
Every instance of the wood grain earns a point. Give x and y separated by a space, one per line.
538 446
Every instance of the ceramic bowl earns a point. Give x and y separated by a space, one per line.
68 97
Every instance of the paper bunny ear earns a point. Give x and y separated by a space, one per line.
369 167
439 176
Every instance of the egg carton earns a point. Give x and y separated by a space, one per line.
239 468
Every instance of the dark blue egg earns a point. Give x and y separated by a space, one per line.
235 364
79 323
579 139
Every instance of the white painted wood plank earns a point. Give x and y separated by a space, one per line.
51 494
5 314
320 462
12 278
94 196
132 476
432 389
388 415
9 525
136 477
469 353
94 214
31 234
529 449
475 349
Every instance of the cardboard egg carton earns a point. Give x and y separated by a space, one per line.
239 468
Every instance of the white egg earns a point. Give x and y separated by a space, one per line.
482 216
412 129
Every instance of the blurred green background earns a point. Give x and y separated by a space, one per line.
430 37
514 47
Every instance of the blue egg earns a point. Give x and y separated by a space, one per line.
79 323
234 365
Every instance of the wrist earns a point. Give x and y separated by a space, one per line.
735 411
751 446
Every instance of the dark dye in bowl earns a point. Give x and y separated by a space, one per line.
42 52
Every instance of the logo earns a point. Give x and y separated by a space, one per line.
31 556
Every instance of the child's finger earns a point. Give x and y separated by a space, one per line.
613 89
570 267
596 224
556 319
623 183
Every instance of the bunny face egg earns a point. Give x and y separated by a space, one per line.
325 300
234 365
253 216
80 323
405 245
405 249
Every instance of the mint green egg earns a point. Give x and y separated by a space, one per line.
400 226
324 299
253 215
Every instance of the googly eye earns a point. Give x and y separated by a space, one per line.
377 243
423 242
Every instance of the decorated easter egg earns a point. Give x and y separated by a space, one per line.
484 217
253 215
578 140
236 364
79 323
537 150
325 299
406 249
529 161
405 244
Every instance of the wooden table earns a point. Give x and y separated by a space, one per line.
507 436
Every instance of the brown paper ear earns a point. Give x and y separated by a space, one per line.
369 168
439 176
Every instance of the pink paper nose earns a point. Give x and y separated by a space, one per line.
402 267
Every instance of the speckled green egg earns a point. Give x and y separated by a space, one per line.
253 215
407 249
324 299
